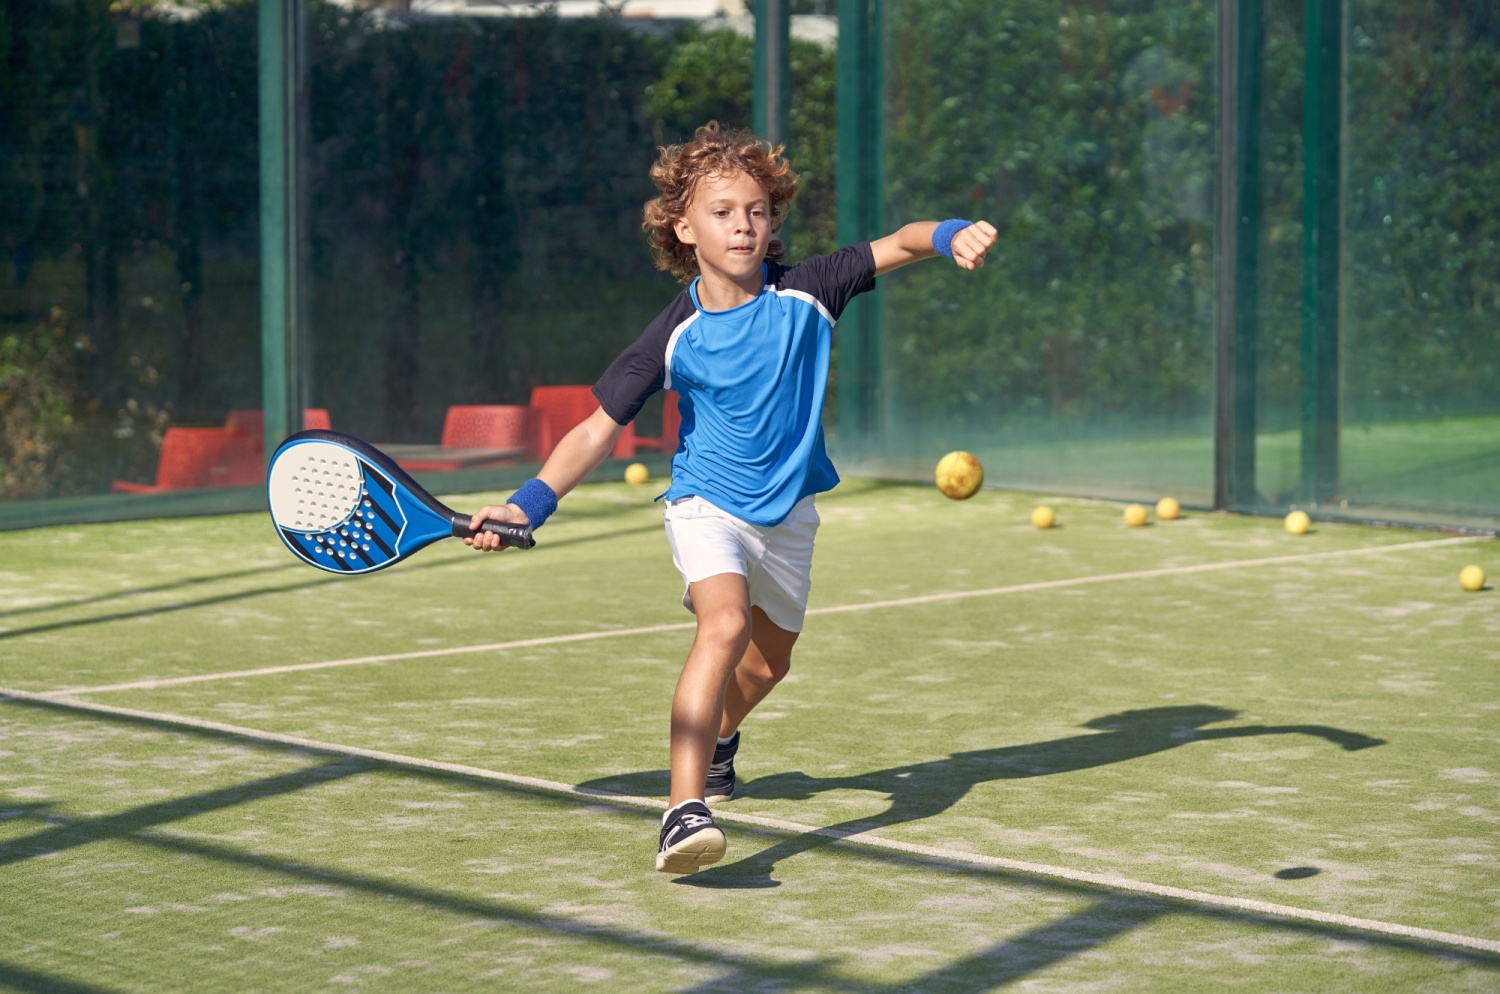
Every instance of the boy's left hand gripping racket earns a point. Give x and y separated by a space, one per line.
342 505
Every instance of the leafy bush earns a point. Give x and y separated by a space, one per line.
474 190
1085 134
38 387
1085 131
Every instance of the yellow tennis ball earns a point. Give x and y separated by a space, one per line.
1135 515
1043 517
637 473
1297 522
959 475
1471 578
1167 508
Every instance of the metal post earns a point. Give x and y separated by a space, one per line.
773 77
1322 237
279 64
1238 236
860 194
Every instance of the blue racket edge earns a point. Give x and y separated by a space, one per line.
393 518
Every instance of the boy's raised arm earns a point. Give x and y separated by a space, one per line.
965 242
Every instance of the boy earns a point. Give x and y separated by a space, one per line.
746 347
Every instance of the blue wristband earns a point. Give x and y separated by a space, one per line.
942 236
536 500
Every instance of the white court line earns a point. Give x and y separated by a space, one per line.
1106 880
835 609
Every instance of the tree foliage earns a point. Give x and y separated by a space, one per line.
473 194
711 75
1085 131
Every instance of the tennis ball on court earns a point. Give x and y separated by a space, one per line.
1135 515
1167 508
1043 517
1471 578
1297 522
637 473
959 475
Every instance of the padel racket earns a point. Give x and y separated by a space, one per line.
342 505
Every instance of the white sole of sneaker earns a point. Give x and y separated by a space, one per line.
692 853
718 798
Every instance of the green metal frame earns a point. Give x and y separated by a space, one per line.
860 217
1322 242
1239 231
282 33
771 111
281 42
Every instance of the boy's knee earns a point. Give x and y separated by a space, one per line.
726 627
764 669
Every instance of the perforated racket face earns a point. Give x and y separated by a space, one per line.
315 486
333 509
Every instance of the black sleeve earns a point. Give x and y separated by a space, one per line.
640 370
834 279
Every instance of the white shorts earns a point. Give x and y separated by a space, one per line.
776 562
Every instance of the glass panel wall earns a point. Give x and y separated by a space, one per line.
1277 281
475 253
471 193
129 274
475 188
1420 430
1415 373
1080 359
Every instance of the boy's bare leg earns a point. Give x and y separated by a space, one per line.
722 604
767 659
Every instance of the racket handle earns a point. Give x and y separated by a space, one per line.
514 536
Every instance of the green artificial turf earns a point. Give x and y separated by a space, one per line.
1319 734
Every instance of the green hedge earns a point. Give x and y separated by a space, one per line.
474 189
1086 132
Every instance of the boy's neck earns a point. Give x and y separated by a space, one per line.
718 292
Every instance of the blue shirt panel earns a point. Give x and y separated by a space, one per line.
751 382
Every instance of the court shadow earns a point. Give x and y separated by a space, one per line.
646 783
18 978
114 595
1105 917
315 578
923 790
71 833
760 973
12 810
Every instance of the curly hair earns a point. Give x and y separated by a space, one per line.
712 152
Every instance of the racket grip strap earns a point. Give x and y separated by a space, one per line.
942 235
536 500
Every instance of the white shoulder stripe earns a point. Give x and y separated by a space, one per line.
672 344
808 298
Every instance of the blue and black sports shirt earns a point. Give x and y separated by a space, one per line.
750 384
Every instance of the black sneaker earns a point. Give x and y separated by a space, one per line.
719 786
689 839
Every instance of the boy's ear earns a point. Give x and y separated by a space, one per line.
684 231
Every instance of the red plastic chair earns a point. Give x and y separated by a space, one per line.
486 426
504 429
190 458
671 427
557 410
244 458
253 420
